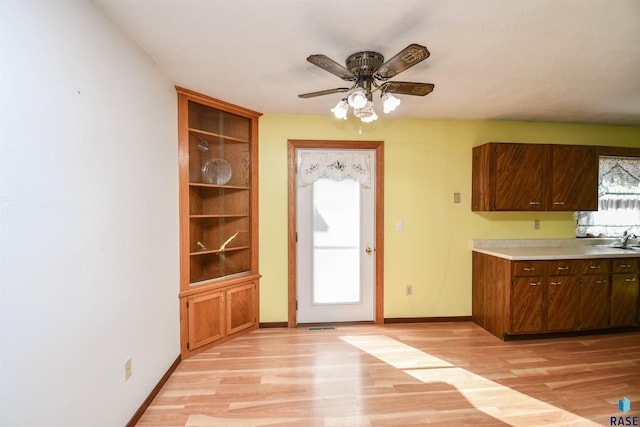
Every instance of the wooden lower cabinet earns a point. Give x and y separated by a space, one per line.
206 317
624 300
595 302
240 301
527 305
563 300
214 316
532 297
625 293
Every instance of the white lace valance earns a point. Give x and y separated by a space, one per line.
610 202
618 200
335 166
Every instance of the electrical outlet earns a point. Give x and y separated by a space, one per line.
409 290
127 369
536 224
456 197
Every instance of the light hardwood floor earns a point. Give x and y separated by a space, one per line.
453 374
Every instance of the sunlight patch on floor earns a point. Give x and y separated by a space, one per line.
496 400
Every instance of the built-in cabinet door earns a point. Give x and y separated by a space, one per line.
624 300
595 302
534 177
574 183
526 304
562 302
241 302
520 177
205 318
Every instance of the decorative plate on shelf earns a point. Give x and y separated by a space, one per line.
216 171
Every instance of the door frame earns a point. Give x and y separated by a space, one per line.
293 145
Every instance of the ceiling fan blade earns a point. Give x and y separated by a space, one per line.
407 88
324 92
408 57
331 66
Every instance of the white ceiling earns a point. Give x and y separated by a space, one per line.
540 60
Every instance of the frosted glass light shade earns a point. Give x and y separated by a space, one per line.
341 109
357 99
389 102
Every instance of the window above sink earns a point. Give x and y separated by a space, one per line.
618 200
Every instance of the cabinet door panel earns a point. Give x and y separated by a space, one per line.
526 305
520 171
241 307
562 303
595 302
624 300
206 319
574 184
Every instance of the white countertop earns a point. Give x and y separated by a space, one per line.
553 249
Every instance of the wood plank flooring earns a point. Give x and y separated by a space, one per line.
453 374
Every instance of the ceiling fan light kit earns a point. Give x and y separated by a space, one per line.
369 73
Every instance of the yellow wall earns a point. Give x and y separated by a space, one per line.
426 161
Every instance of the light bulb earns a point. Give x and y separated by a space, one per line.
357 99
389 102
341 109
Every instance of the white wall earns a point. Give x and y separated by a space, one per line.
89 225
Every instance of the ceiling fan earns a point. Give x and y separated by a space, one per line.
370 73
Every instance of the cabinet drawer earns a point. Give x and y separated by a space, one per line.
528 268
596 266
563 268
627 265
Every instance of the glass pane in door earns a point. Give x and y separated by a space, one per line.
336 242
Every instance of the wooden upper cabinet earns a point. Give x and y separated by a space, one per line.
520 177
574 182
534 177
218 190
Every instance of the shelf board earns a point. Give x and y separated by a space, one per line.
216 186
218 216
217 251
219 282
217 135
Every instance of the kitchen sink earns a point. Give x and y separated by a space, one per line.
619 246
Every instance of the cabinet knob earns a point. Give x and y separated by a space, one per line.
630 279
534 284
534 203
529 268
594 267
558 203
556 283
563 268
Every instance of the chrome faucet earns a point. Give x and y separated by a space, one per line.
625 238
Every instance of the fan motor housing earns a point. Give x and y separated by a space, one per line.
364 64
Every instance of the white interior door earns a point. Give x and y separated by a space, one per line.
335 250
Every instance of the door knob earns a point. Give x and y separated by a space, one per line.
369 250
